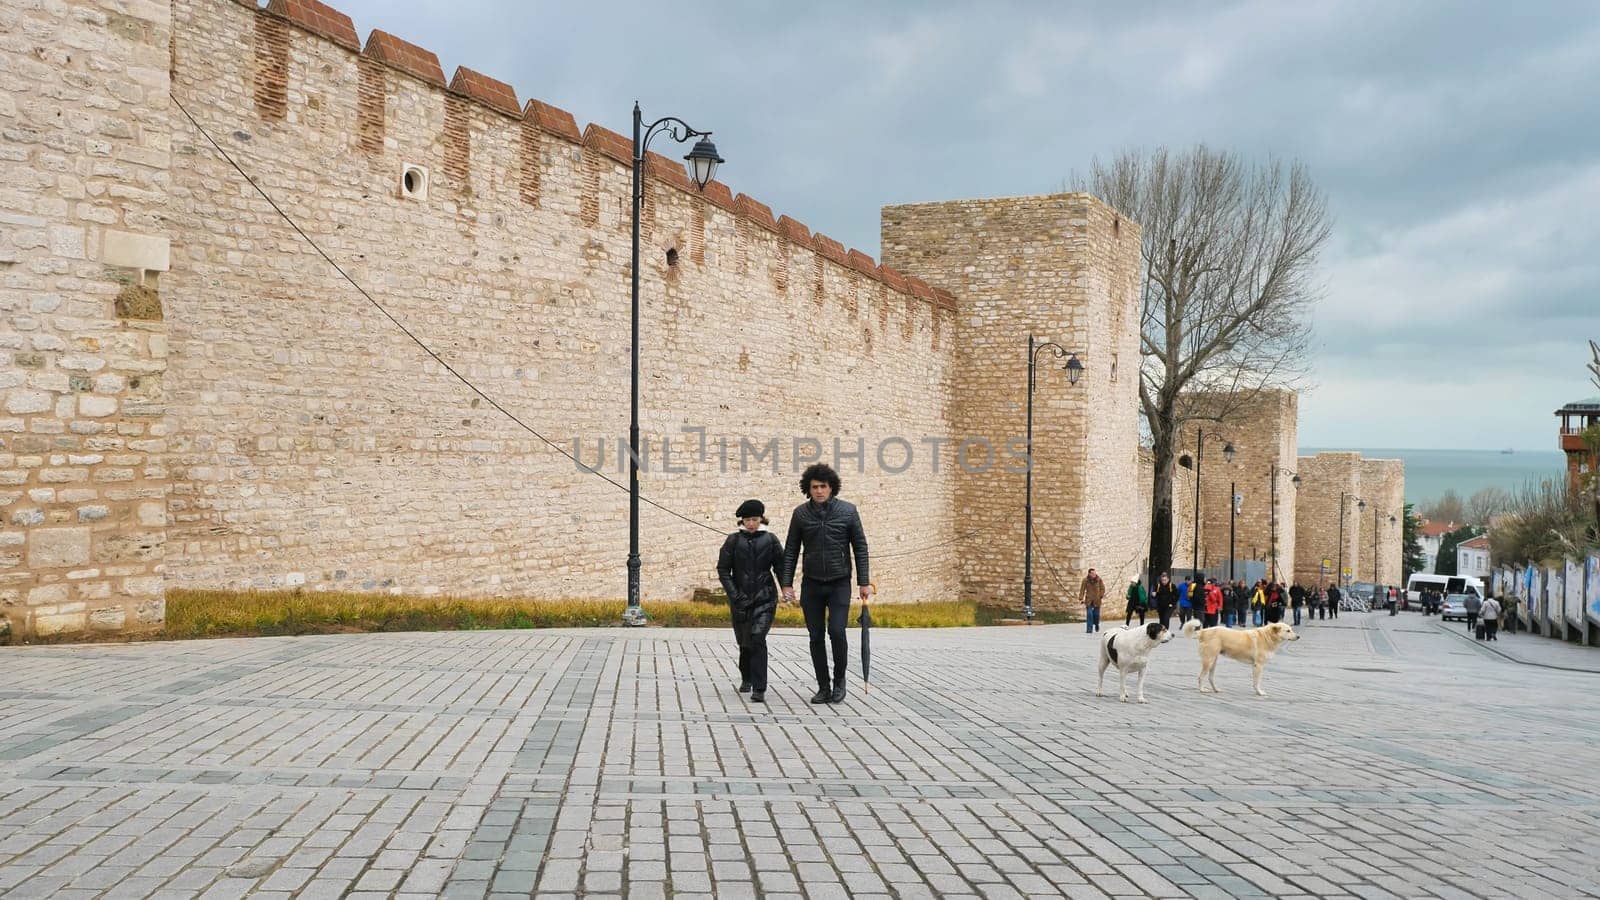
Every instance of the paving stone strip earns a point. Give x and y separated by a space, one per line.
1387 762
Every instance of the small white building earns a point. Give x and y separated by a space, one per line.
1430 535
1472 558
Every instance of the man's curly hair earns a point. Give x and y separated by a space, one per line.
819 472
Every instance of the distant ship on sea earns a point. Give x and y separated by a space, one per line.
1508 451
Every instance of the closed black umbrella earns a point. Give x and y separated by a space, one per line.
865 621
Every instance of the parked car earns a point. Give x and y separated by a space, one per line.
1453 607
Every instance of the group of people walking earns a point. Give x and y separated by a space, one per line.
825 543
1213 602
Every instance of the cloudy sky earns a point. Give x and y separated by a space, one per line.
1457 143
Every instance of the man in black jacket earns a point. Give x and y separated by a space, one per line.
749 561
829 529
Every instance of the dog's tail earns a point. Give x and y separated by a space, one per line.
1191 628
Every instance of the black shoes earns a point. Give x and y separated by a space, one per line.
837 695
758 696
744 687
823 696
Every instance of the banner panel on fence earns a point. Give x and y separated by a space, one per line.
1553 592
1535 593
1574 598
1593 582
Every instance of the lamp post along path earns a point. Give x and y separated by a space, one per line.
1199 456
1074 368
701 162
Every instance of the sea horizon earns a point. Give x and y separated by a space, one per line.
1430 471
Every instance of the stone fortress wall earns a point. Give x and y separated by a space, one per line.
1380 484
1263 428
193 397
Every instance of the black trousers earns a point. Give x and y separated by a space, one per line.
750 627
1210 620
827 601
1135 609
1490 626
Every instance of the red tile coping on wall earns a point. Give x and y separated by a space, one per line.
718 193
830 248
863 263
405 56
893 279
794 230
489 91
607 142
553 119
324 20
319 18
669 170
757 212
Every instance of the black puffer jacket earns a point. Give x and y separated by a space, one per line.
829 533
747 564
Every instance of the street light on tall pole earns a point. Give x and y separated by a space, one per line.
701 162
1295 482
1200 436
1338 576
1074 368
1375 543
1233 512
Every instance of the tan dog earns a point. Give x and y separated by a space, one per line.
1252 645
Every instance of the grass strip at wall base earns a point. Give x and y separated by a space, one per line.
217 613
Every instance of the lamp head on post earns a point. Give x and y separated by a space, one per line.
1074 369
1295 481
702 162
1227 451
1361 504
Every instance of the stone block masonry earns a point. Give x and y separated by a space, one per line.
193 397
1263 428
1063 268
84 184
1380 484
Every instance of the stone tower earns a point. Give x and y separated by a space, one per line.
1062 268
83 479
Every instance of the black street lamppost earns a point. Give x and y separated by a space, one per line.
1199 457
1233 512
1073 368
1294 481
1375 544
702 162
1338 576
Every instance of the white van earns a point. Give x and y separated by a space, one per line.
1444 584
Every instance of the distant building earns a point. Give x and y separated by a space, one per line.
1429 536
1472 557
1575 417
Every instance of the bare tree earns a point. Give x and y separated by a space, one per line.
1485 504
1447 510
1229 277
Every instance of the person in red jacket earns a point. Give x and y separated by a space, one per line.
1213 604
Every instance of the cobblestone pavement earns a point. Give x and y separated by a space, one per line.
1391 759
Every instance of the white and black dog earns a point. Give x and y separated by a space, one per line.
1129 649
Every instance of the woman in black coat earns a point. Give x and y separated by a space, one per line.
749 565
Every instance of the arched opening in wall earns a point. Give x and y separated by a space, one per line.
413 182
672 256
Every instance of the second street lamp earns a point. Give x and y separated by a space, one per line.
1375 544
1294 481
701 163
1344 496
1200 436
1074 369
